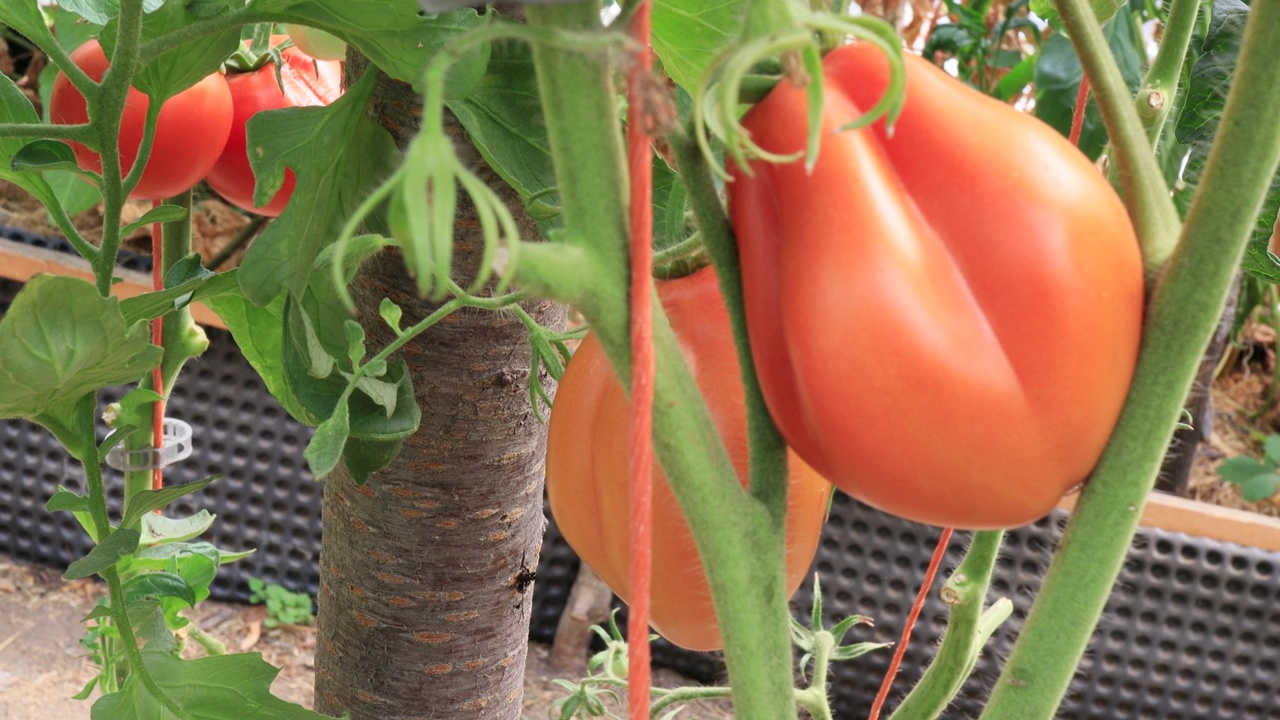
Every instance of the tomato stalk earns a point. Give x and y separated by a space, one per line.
767 450
1184 311
1145 193
734 534
1160 86
969 626
108 100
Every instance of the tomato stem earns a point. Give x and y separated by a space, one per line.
1145 193
1184 312
968 629
1159 87
939 551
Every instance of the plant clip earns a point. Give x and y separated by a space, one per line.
177 446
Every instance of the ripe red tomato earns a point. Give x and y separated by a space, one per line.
190 131
945 321
587 460
303 82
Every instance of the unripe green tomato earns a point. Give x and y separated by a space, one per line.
318 43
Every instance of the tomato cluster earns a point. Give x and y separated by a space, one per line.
200 132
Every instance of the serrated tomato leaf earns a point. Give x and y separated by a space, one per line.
118 544
330 184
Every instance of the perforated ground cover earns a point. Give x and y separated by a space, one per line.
1192 632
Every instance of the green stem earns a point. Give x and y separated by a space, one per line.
768 451
1185 309
684 695
211 644
1160 86
129 643
814 698
1145 194
738 539
83 134
106 107
965 592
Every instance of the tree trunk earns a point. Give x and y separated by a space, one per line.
424 594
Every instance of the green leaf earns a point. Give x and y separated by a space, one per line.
100 11
355 341
15 107
688 35
158 214
394 34
1057 79
176 70
365 457
25 17
118 544
1239 469
66 500
325 448
61 341
220 687
259 333
161 302
1017 78
1209 81
358 154
39 155
391 314
1271 449
146 501
1260 486
503 118
160 529
380 391
159 585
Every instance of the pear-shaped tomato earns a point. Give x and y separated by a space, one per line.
587 478
945 318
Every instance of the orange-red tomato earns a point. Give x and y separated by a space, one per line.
191 129
587 451
303 82
945 320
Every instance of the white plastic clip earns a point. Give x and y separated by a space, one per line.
177 446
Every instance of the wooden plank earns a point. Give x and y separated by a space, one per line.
21 262
1193 517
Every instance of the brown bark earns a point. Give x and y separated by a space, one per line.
424 593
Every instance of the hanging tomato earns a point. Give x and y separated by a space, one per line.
945 319
302 82
588 447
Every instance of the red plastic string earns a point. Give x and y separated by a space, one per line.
938 552
639 157
1077 116
157 375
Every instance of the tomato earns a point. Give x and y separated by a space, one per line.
190 131
587 460
945 320
305 82
318 43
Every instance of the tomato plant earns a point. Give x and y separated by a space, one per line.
303 81
191 129
986 326
587 455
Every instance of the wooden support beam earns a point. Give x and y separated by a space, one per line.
21 262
